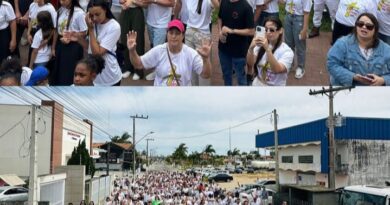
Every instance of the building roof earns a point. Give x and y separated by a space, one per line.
125 146
354 128
12 179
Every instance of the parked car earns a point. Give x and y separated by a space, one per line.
220 177
252 192
268 183
250 170
13 193
238 171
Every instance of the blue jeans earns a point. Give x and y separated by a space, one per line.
384 38
157 36
39 64
264 15
228 63
293 25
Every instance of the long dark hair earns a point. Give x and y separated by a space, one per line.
375 43
45 23
73 4
104 4
261 53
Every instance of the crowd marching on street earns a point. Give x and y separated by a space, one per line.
165 187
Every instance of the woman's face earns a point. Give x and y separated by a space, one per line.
10 81
175 37
365 28
97 14
66 3
83 76
272 31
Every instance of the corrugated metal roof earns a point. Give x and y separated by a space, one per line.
354 128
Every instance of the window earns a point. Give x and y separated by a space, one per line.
10 191
305 159
287 159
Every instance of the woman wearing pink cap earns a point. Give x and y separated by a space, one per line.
174 61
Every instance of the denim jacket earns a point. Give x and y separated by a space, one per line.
345 60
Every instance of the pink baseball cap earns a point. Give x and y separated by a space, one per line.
176 24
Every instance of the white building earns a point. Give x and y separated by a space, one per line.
361 156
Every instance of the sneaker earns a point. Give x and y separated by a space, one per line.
126 74
299 73
136 76
315 31
151 76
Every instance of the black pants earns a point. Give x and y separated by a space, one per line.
132 19
340 30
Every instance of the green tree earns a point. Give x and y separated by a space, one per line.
180 153
80 156
122 139
194 158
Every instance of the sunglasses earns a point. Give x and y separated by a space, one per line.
369 26
271 30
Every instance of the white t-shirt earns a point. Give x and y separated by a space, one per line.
284 55
26 73
35 9
273 7
7 14
254 3
184 12
107 36
349 10
84 4
158 16
200 21
186 61
77 23
383 14
297 7
44 53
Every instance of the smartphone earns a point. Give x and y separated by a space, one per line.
260 31
367 77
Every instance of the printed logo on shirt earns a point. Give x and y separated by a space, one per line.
34 23
384 5
170 79
235 15
352 10
266 72
290 7
63 26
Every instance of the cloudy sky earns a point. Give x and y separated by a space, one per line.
185 115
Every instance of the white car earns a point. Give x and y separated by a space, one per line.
13 193
249 194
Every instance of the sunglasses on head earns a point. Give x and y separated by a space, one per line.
369 26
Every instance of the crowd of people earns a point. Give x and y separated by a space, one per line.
82 43
176 188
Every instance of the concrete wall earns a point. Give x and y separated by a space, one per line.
14 145
52 188
74 131
369 162
74 184
287 177
296 151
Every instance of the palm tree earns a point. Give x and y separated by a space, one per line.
208 152
180 153
122 139
194 158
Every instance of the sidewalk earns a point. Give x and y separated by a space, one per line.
316 73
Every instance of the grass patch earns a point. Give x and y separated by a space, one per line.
325 25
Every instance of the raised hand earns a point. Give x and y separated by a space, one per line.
131 40
205 48
89 21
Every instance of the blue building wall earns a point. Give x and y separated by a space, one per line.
354 128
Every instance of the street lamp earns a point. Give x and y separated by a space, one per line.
134 150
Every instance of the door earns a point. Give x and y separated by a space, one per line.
306 179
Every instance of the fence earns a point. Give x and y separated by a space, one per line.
97 189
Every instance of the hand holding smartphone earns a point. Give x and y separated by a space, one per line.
260 31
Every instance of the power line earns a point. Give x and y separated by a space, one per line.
220 130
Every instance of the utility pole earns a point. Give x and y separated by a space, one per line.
276 150
331 124
230 143
108 158
33 178
147 150
134 150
